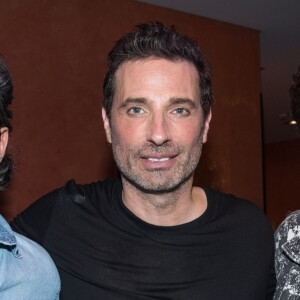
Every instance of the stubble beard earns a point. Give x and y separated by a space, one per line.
157 181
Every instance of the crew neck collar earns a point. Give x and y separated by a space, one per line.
137 222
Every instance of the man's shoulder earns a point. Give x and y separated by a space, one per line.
78 191
65 203
230 201
241 210
73 194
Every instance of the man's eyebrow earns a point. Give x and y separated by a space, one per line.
129 101
176 101
173 101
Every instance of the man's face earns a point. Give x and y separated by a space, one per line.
156 127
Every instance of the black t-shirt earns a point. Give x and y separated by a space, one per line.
103 251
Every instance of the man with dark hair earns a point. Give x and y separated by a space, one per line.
152 234
287 236
26 270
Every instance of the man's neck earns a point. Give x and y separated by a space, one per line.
183 205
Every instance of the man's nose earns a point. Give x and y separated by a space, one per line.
158 131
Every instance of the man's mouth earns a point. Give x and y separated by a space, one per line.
153 159
163 162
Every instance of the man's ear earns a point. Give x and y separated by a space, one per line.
206 127
3 141
106 125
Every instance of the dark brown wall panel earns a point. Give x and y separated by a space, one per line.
282 173
56 51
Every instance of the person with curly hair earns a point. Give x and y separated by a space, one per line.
26 270
287 236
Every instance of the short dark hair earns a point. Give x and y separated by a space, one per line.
295 97
157 40
6 96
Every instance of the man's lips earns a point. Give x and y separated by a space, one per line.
161 161
154 159
159 156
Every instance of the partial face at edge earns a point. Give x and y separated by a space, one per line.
3 141
156 127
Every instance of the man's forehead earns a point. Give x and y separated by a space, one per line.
157 76
137 69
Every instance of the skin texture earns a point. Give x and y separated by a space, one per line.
3 141
157 131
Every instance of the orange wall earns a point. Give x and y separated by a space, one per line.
282 178
56 51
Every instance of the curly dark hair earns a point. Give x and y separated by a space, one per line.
295 97
158 40
6 96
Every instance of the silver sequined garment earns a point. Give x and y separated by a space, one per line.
287 258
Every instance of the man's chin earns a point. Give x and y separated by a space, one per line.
157 187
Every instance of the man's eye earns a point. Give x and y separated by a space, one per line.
181 111
135 111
